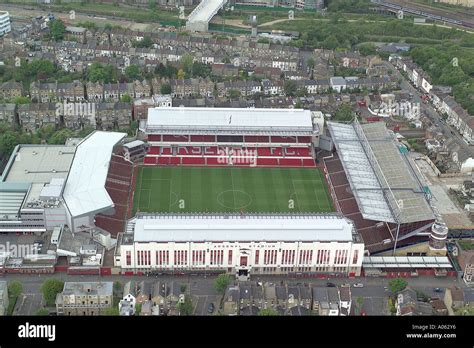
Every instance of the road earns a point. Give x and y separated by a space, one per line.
465 150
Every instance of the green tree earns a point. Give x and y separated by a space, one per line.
57 29
138 308
396 285
186 62
59 137
21 100
185 307
221 283
126 98
50 289
234 93
268 312
183 288
15 288
344 113
132 72
367 49
165 88
290 88
359 304
42 312
181 74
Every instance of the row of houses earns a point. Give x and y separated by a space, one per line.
287 299
33 116
456 300
458 117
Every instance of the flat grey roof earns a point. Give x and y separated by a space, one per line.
88 288
40 163
198 228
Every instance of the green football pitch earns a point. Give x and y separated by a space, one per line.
206 189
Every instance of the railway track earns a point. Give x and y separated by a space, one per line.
465 21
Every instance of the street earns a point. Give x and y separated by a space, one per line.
374 293
465 150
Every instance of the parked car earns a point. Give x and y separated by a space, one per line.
438 290
358 285
330 285
210 308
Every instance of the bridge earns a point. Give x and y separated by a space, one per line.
199 19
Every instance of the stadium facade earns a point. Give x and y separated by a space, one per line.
232 137
241 244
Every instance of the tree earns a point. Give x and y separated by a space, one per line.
185 307
367 49
360 304
310 63
143 43
290 88
21 100
268 312
132 72
396 285
234 93
42 312
111 311
344 113
15 288
201 69
181 74
57 29
50 289
183 288
126 98
165 88
138 308
60 137
186 62
221 283
117 286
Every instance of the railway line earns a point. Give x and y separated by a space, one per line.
434 14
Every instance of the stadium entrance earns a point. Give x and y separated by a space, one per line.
243 274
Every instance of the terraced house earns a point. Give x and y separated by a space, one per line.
85 298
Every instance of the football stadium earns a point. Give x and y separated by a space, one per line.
268 191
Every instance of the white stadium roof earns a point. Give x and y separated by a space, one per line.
229 119
380 176
406 262
85 186
201 228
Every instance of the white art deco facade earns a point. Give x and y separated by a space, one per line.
240 245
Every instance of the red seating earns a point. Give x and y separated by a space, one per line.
283 139
150 160
297 152
175 138
203 138
175 160
154 150
154 137
304 139
256 139
264 151
166 151
163 160
267 161
309 162
291 162
193 160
